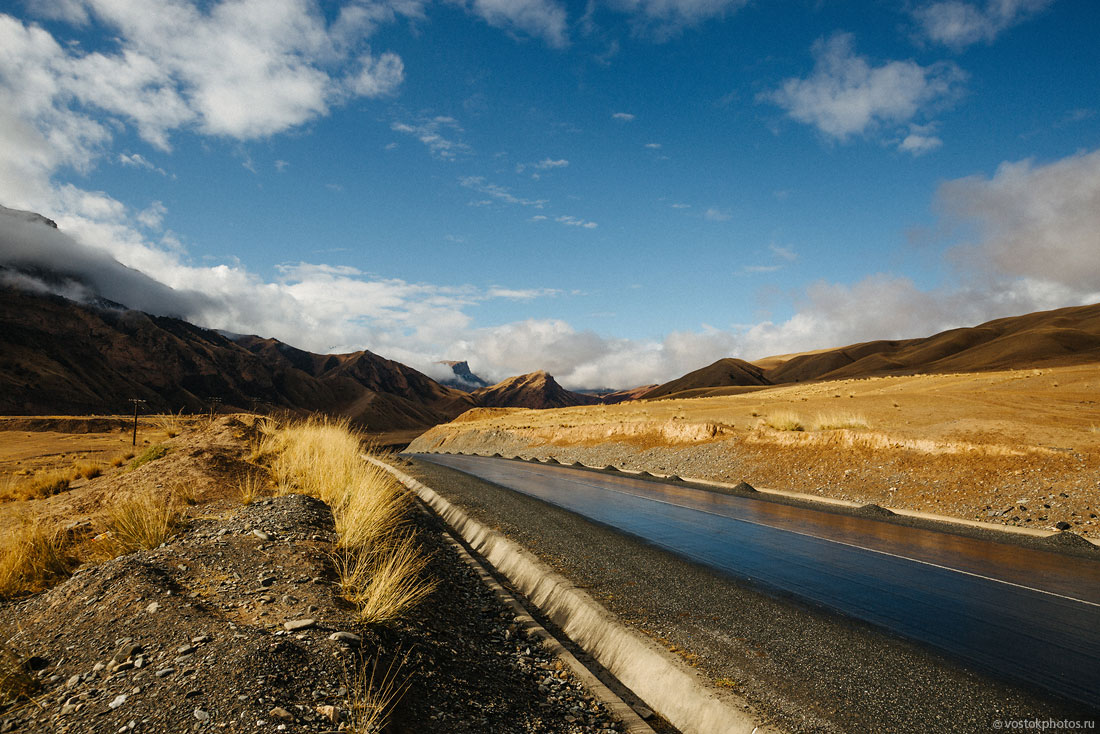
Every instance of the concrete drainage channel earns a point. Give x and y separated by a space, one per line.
666 684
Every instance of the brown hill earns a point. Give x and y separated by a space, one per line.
621 396
534 390
723 373
1063 337
59 356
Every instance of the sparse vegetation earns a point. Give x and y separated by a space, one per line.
88 469
371 701
170 423
379 562
43 484
139 521
31 558
152 453
784 421
250 487
835 421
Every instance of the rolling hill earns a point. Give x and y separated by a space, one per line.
1062 337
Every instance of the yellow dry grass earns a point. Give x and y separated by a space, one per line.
31 558
784 420
372 698
379 563
139 521
251 487
838 421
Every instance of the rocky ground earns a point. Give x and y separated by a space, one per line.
237 624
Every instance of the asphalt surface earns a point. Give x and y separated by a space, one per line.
810 651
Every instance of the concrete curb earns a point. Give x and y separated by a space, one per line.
628 717
666 684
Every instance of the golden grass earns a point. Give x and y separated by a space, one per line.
379 564
140 521
837 421
784 420
43 484
16 684
88 469
371 699
170 423
395 583
251 487
32 557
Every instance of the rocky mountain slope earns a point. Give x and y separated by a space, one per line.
534 390
59 356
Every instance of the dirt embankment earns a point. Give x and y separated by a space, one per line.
1015 448
238 623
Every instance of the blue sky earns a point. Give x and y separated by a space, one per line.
616 191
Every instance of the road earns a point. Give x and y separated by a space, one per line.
1026 613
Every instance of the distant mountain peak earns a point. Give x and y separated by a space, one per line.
464 378
533 390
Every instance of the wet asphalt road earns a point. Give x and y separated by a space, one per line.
1026 613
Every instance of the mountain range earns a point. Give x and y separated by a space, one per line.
81 352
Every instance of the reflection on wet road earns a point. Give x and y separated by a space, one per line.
1027 613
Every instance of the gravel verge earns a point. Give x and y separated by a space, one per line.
236 625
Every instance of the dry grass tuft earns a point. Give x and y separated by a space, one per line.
251 487
371 699
394 584
380 565
170 423
16 684
784 421
88 469
31 558
836 421
140 521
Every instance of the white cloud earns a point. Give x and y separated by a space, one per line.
680 206
714 214
761 268
431 133
500 193
845 95
653 146
958 24
575 222
153 216
136 160
622 117
239 69
377 77
521 294
920 140
1034 221
783 253
663 19
548 163
539 18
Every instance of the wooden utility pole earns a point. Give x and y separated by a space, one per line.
136 402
